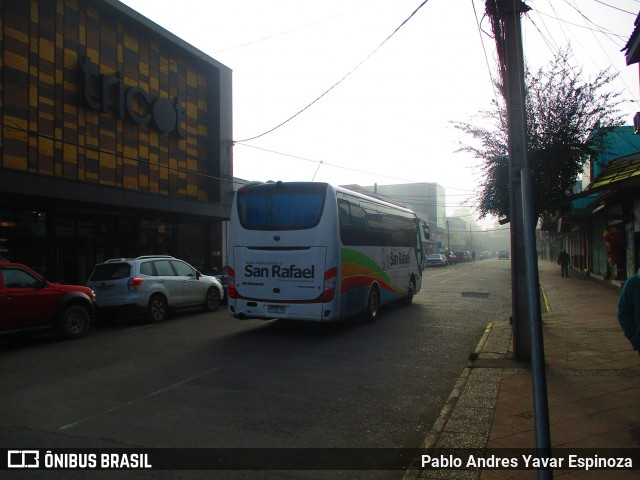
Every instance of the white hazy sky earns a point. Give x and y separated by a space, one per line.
388 121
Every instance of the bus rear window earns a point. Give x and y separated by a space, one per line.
281 206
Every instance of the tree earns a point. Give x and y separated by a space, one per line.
567 121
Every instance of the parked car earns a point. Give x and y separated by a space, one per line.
451 258
463 256
437 260
503 254
153 284
484 255
28 302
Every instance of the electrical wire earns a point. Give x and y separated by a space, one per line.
484 49
615 8
552 48
344 77
285 32
587 22
600 29
333 165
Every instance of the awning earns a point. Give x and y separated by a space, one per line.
623 172
618 174
559 225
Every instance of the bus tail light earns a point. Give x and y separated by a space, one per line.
329 284
231 283
134 283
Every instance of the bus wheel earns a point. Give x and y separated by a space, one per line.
373 305
408 300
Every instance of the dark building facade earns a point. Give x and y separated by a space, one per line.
116 139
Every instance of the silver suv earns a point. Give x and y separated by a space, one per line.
153 284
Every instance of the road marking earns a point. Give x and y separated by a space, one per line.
139 399
128 329
475 294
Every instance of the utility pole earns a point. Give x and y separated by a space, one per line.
448 236
508 36
527 318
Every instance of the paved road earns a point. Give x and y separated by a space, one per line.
208 380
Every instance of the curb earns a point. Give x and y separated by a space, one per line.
439 425
546 305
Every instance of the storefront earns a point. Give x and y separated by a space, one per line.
116 140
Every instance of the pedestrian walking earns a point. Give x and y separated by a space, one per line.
563 261
629 310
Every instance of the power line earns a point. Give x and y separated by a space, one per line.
339 81
599 29
484 49
322 162
615 8
587 22
285 32
567 29
333 165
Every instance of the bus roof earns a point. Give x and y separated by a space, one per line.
374 196
344 189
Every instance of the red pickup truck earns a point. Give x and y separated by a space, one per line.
29 302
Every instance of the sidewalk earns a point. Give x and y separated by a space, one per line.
593 384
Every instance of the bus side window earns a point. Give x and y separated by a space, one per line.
359 225
353 223
426 230
343 212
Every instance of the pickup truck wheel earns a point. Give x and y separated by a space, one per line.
74 322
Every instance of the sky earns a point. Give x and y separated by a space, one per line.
377 106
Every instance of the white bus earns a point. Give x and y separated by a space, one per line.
313 251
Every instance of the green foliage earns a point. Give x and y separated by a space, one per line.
567 120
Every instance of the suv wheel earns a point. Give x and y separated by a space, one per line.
74 322
212 300
157 309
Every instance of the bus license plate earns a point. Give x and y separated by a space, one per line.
276 309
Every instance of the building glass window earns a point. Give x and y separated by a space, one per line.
191 241
23 237
156 238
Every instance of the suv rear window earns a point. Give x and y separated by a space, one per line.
146 268
110 271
